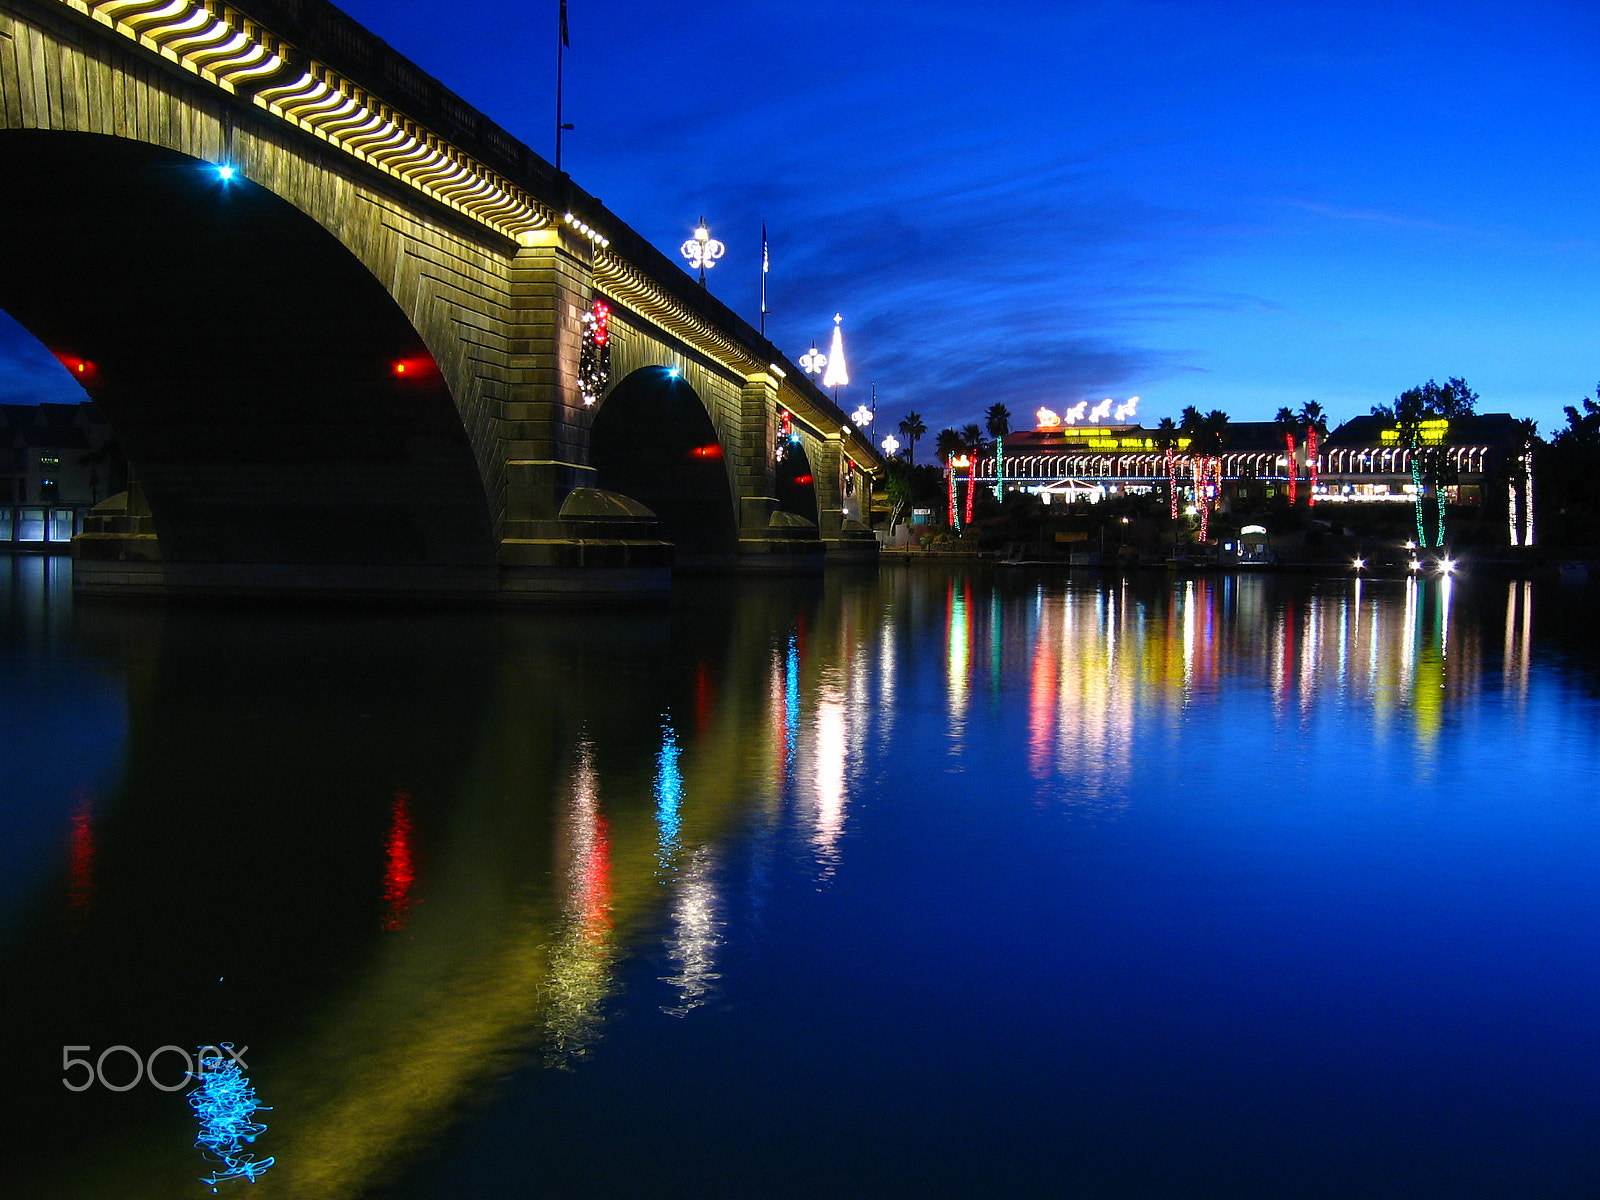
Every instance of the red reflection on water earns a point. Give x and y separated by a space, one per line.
593 891
704 700
80 874
398 872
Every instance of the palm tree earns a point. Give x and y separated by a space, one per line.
911 429
1167 437
1288 428
948 444
1205 432
1166 433
999 420
972 438
1311 414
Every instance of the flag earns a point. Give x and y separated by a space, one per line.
765 267
565 40
765 264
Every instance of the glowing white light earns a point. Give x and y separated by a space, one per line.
1127 408
1447 566
1359 563
862 416
1047 419
672 372
225 173
813 361
1076 412
838 375
1416 565
702 250
891 446
1100 411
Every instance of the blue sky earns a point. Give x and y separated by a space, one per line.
1235 206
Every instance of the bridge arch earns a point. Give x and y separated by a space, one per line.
280 409
652 438
795 483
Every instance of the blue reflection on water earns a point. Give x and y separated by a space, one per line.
63 727
669 793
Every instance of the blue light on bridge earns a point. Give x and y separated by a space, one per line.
672 372
225 172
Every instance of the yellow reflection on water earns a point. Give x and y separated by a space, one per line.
580 962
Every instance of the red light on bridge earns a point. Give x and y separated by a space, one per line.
419 367
81 369
714 450
805 480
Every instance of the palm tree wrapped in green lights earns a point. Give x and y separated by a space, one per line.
999 419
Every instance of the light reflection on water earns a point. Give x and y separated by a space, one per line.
477 855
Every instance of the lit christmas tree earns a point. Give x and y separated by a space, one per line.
837 374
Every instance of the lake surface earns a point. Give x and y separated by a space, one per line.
921 882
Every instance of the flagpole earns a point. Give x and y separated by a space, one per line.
764 279
561 46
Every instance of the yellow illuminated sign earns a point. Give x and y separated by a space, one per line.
1429 433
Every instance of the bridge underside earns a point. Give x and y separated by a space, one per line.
285 421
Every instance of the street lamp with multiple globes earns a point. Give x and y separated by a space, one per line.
702 250
813 361
891 446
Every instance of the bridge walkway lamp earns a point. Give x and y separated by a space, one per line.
702 250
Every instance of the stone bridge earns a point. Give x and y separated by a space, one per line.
355 339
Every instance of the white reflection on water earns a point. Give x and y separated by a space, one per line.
828 763
696 933
958 655
1517 656
580 961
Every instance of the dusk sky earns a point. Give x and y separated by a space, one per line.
1236 206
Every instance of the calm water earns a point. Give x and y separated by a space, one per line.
903 884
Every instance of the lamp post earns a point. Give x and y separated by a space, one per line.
702 250
891 446
813 361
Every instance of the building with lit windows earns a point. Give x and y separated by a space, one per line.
53 469
1476 462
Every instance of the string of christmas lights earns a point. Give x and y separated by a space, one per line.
1311 465
1416 483
951 472
1172 484
594 361
1289 441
